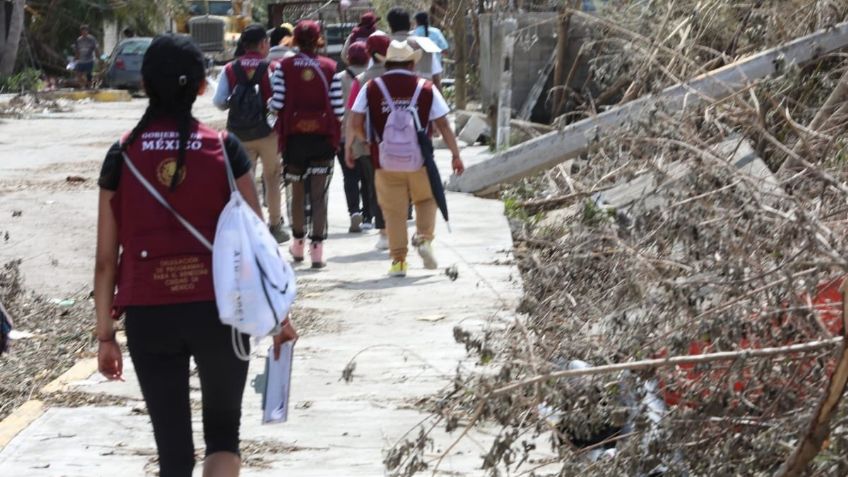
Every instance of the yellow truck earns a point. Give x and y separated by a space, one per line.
215 25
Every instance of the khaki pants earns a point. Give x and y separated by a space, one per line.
394 189
266 150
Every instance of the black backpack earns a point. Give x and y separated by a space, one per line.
246 118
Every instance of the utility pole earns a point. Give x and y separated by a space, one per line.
505 95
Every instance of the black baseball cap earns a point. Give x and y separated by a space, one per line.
172 62
253 34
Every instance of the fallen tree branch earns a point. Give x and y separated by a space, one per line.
672 361
541 205
812 442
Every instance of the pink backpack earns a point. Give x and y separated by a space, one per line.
399 148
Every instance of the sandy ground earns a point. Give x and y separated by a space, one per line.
399 332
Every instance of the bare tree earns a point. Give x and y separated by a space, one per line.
9 53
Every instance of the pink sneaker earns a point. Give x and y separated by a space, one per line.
296 249
316 253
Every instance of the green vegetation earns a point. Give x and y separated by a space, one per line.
28 80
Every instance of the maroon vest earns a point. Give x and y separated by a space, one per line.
307 108
401 87
161 262
250 61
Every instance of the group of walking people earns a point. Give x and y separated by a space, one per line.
293 112
308 116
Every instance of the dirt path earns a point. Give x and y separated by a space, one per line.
398 332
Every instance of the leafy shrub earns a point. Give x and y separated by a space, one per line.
28 80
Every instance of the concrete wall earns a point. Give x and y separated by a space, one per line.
536 42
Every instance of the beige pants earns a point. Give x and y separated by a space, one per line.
266 150
394 189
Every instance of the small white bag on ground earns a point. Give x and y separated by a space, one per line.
254 285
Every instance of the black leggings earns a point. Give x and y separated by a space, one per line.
161 339
309 169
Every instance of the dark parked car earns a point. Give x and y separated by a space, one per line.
123 69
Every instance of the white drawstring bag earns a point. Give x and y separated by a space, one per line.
254 286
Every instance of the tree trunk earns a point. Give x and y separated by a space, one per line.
10 48
2 27
459 56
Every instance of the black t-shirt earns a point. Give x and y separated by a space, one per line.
110 172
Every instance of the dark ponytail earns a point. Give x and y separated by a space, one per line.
173 70
423 19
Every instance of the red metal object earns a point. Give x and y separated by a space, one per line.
827 303
119 63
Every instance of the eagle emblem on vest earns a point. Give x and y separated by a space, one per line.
166 170
307 75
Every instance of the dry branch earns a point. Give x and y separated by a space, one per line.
673 361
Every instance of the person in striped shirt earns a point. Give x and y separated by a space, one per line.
310 131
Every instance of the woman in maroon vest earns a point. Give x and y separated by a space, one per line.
310 104
163 274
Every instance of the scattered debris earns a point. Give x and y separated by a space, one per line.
432 318
62 337
24 105
680 234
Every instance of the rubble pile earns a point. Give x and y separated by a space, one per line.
25 105
723 228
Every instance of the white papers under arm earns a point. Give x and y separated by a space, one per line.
275 401
428 45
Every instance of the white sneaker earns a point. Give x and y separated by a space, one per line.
425 250
382 242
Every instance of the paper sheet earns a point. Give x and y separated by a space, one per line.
275 401
427 44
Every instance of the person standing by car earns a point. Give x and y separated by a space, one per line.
152 269
309 100
355 187
86 52
248 116
401 91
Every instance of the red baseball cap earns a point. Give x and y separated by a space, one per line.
307 31
368 19
378 44
357 54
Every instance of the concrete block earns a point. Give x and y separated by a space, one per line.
476 127
647 192
461 119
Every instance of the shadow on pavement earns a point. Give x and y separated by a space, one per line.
367 256
383 283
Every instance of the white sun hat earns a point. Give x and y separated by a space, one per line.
400 52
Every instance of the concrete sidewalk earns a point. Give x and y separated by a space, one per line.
399 332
